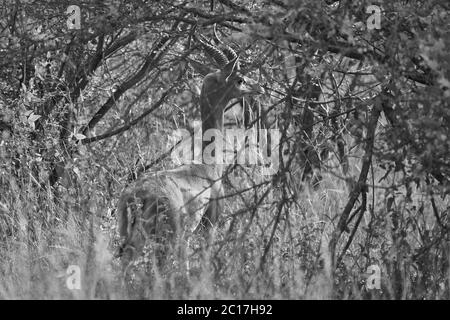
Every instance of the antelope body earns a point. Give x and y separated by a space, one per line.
180 201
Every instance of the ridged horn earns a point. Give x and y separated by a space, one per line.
230 53
215 53
227 50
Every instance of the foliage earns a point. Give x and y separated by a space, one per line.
363 114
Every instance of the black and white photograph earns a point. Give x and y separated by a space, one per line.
216 152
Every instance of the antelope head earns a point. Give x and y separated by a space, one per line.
223 85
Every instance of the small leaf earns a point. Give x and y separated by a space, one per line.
77 172
33 117
79 136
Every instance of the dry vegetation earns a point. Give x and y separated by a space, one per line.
364 118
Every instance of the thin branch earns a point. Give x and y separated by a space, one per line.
133 122
149 63
362 210
360 186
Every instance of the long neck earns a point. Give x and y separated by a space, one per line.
211 108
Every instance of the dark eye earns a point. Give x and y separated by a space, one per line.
240 81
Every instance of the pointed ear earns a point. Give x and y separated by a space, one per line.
200 67
231 67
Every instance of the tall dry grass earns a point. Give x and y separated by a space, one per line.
43 233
